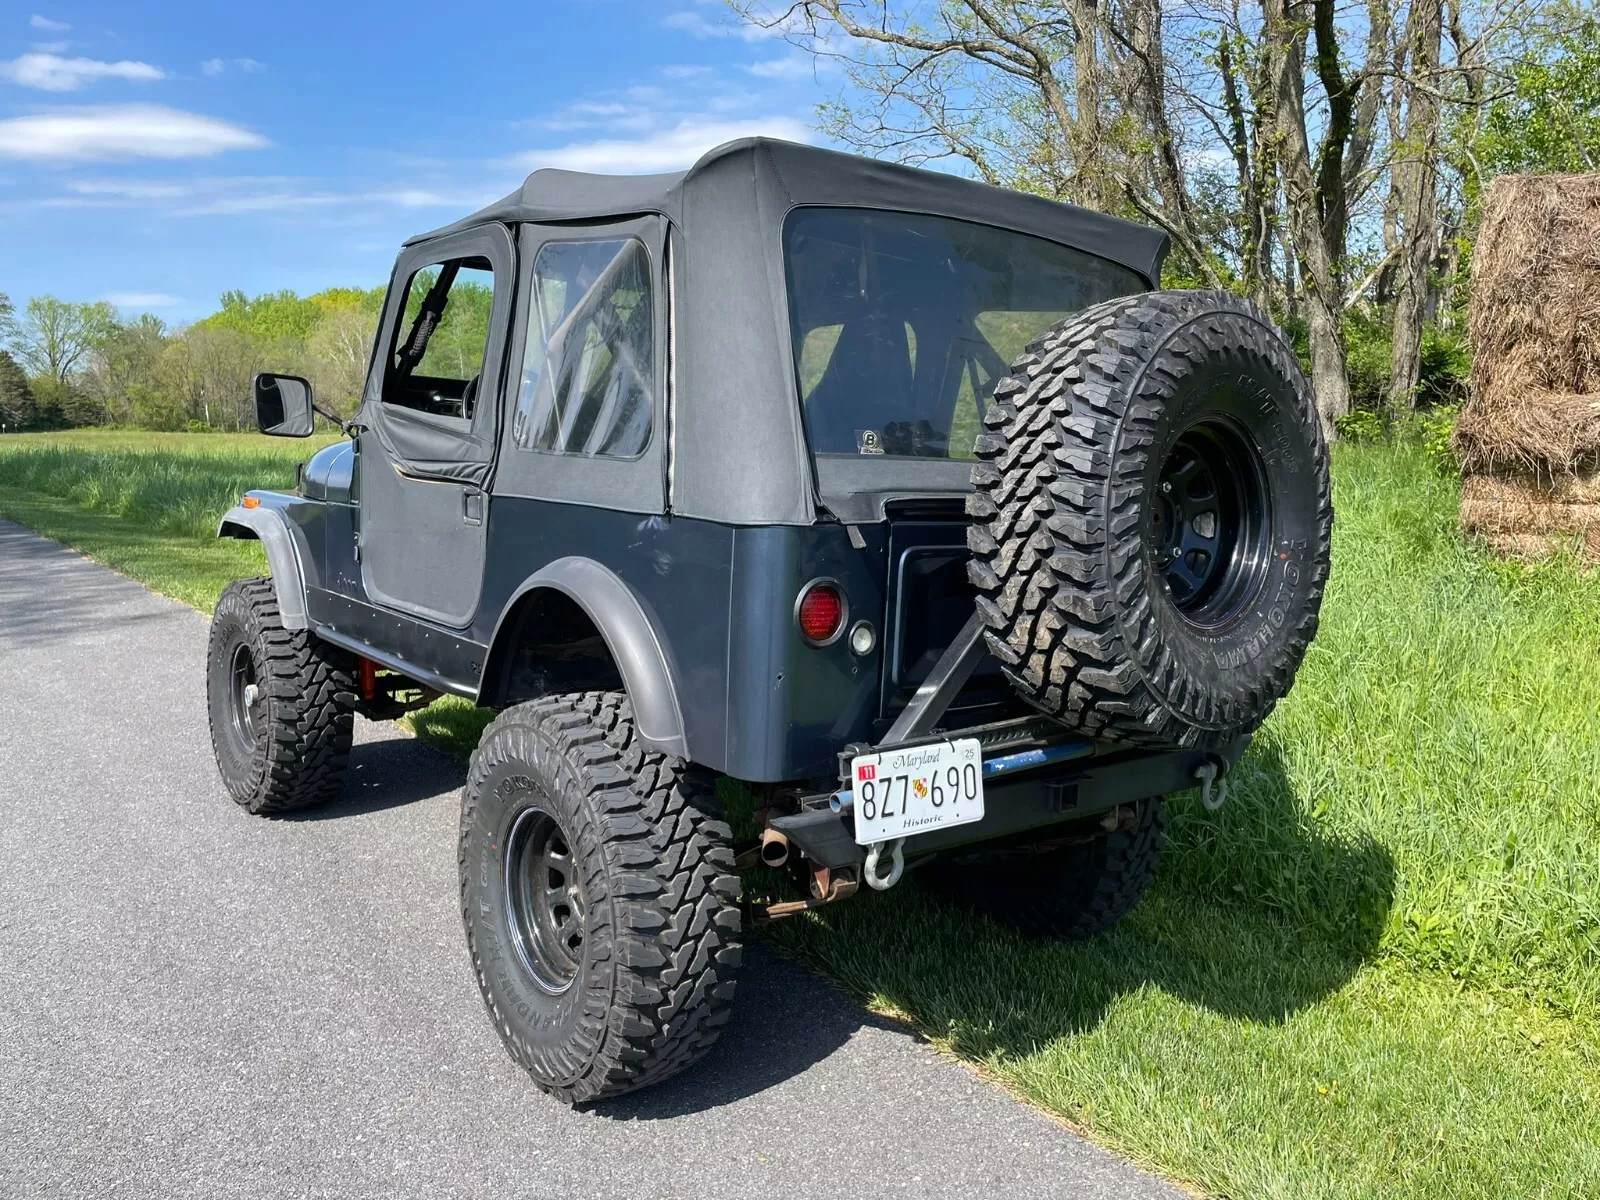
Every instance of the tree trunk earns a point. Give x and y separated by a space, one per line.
1316 210
1384 286
1092 182
1418 186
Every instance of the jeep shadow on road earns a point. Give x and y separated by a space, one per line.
389 773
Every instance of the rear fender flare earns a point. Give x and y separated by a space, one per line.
629 635
271 529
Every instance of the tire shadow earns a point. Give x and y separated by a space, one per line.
389 772
785 1020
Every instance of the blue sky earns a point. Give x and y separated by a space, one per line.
157 155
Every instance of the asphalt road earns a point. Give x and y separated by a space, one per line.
195 1002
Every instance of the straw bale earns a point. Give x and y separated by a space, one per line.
1534 324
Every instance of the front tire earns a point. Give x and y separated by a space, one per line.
599 898
281 702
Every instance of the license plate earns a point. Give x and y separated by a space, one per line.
903 792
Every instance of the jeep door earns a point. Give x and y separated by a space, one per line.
430 418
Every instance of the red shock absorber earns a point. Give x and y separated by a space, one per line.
367 679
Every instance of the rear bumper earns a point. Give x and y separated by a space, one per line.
1032 800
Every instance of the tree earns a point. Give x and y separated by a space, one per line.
1120 104
1318 179
16 399
1069 100
1415 171
338 355
127 358
272 317
55 336
1548 118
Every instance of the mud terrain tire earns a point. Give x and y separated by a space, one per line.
1070 892
1151 520
290 747
628 976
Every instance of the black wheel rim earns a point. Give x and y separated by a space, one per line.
245 696
1211 523
545 903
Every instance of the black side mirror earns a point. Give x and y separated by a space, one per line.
283 406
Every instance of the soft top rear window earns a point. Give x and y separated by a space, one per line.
902 323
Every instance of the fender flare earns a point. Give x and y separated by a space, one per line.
629 635
269 527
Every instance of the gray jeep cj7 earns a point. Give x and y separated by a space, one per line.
902 499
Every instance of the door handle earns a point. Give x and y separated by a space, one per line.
472 508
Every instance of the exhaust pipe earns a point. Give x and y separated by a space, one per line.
774 848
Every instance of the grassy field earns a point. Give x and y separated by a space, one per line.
1375 973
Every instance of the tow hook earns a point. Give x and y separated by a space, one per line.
897 865
1213 787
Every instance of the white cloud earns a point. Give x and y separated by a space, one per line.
119 131
51 47
136 189
216 66
682 72
244 194
697 25
38 22
51 73
142 299
596 114
793 66
668 150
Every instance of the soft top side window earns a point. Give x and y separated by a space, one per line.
588 373
436 363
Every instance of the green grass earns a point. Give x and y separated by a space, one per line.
1375 973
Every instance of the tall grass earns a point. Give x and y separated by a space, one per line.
175 483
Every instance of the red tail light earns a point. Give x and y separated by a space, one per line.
820 611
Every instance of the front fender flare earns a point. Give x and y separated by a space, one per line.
630 636
271 529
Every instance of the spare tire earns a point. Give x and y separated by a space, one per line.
1151 520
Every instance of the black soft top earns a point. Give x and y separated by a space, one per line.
810 175
739 451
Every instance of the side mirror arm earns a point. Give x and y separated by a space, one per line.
348 428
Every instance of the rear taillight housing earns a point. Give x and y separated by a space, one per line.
821 612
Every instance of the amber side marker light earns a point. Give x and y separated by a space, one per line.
820 611
252 501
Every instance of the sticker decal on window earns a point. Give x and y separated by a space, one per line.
868 441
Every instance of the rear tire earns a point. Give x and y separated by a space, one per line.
599 898
1072 892
281 701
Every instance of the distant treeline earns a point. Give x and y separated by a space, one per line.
71 364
